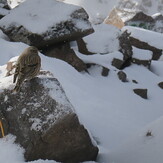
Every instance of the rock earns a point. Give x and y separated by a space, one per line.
141 92
65 53
125 45
122 76
56 26
160 85
118 63
45 123
82 48
125 49
144 45
134 81
142 57
139 19
105 71
114 19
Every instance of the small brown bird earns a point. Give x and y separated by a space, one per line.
27 66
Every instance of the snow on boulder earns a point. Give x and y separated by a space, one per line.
142 57
145 39
44 121
104 40
42 23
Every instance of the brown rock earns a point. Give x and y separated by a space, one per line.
143 45
45 124
64 52
122 76
67 29
105 71
141 92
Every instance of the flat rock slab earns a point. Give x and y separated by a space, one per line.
42 23
45 124
141 92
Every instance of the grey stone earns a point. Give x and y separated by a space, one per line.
76 26
122 76
45 124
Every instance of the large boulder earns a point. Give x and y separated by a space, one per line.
42 23
45 123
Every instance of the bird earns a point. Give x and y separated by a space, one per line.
27 66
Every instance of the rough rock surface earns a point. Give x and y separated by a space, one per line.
45 123
64 52
125 49
122 76
141 92
57 26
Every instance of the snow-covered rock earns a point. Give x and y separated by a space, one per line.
145 39
103 40
42 23
44 122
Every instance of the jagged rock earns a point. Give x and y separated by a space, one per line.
122 76
143 45
139 19
125 49
114 19
56 25
65 53
45 123
134 81
118 63
141 92
160 85
146 63
105 71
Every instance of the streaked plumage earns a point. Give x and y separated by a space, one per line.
27 67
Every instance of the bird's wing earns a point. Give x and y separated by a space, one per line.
16 73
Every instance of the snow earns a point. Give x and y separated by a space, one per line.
142 54
104 39
98 10
148 148
40 12
3 11
117 118
146 35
